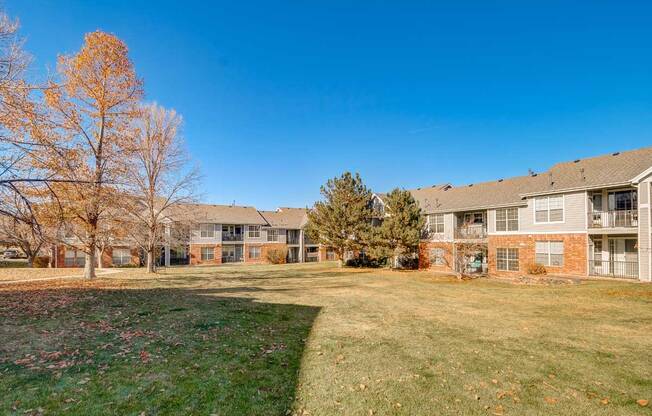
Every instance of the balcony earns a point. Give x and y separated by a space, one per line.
232 237
622 269
293 237
613 219
471 232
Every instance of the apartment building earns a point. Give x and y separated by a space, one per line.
586 217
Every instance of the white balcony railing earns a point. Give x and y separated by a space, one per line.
613 219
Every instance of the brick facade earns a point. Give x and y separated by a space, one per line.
575 252
106 257
264 248
195 254
424 256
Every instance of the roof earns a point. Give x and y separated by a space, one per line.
224 214
601 171
284 217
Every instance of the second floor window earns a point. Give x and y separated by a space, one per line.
272 234
206 230
436 223
254 231
507 219
549 209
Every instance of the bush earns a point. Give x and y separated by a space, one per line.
276 255
41 262
536 268
366 261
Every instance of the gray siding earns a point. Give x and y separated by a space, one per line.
574 216
195 235
282 235
449 228
644 237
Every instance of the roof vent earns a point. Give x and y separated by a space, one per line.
534 174
576 160
500 180
470 185
418 189
615 154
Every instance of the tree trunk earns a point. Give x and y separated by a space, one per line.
151 265
100 254
30 259
89 266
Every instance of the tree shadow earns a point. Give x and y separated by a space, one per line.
158 351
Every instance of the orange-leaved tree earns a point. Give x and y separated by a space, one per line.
83 141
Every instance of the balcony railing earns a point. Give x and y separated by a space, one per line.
624 269
477 231
613 219
232 237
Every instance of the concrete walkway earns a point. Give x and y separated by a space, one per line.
98 273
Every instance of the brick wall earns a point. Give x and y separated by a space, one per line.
424 256
575 249
263 252
195 254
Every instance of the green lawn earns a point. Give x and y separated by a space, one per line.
317 340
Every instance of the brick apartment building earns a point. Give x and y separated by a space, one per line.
588 217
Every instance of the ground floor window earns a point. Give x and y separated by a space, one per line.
549 253
121 256
254 252
207 253
437 257
507 259
330 255
74 258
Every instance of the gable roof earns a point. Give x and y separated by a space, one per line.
602 171
284 217
220 214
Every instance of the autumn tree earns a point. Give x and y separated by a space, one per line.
84 138
159 175
401 228
342 220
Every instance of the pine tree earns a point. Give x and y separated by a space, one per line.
342 220
403 222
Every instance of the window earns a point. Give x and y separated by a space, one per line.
254 252
254 231
474 218
549 209
550 253
74 258
121 256
436 223
330 255
207 253
507 259
507 219
272 234
437 257
206 230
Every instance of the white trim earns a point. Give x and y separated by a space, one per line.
642 175
534 209
502 233
518 220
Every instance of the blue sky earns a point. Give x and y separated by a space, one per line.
279 97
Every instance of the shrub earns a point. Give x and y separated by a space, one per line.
536 268
276 255
41 262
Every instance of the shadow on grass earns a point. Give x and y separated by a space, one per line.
158 351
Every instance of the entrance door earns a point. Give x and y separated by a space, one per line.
623 257
238 253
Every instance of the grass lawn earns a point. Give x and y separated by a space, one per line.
317 340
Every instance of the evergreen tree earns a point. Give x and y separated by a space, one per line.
400 232
342 220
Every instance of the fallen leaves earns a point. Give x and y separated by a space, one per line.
642 402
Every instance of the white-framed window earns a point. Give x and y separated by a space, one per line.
436 223
74 258
120 256
507 219
549 253
207 253
207 230
272 234
253 231
254 252
549 209
437 256
507 259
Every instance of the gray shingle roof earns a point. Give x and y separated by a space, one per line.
221 214
284 217
587 173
